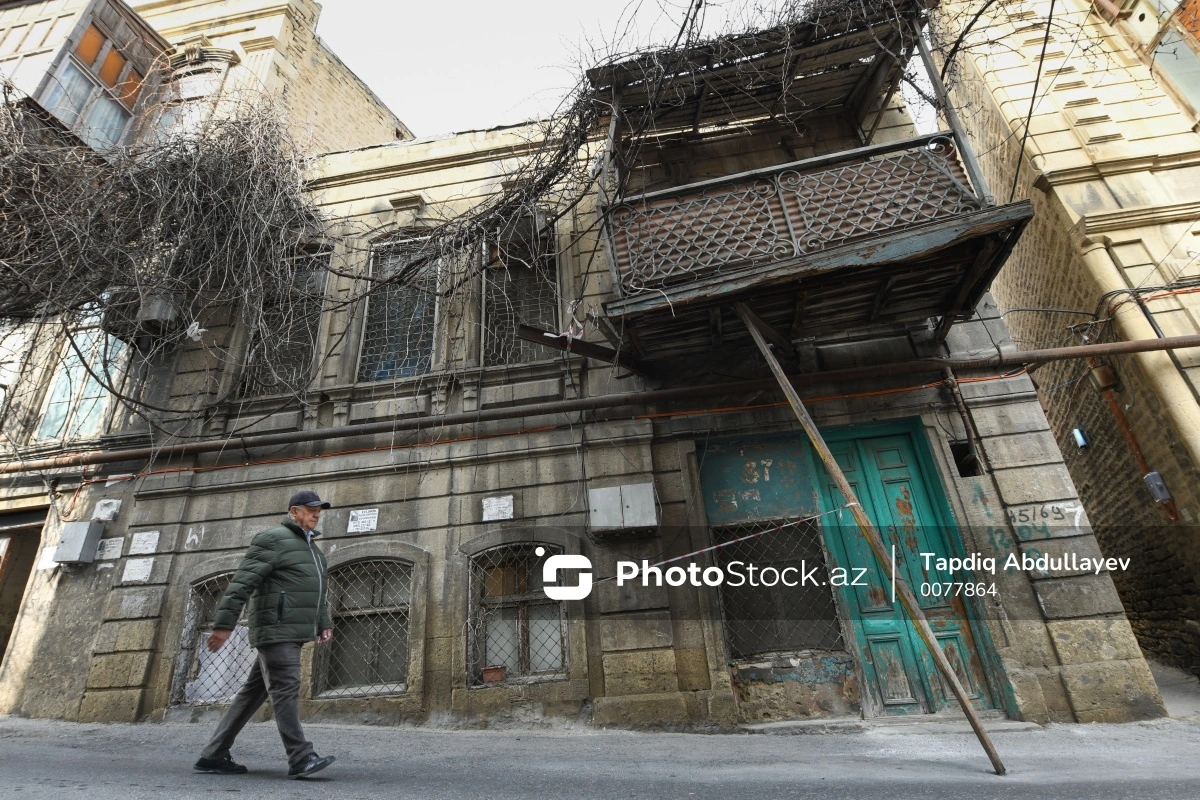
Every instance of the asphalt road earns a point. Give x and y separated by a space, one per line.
61 760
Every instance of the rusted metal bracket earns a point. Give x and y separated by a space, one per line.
907 598
588 349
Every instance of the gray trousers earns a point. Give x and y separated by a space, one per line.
275 674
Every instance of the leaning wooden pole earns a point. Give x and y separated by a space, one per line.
907 598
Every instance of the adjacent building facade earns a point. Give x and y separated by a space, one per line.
580 381
1109 162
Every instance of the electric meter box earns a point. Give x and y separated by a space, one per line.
78 542
623 508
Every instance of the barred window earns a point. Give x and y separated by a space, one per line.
398 335
280 355
514 630
368 654
762 620
202 676
520 287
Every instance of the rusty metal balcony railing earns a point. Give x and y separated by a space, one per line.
696 231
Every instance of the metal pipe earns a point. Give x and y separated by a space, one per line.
238 443
974 170
968 423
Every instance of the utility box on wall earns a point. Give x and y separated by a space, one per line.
78 542
623 509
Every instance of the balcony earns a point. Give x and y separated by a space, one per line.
861 238
723 226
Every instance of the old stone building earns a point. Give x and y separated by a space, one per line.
583 379
1109 162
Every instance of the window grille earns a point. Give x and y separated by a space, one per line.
368 654
279 359
398 335
763 620
514 631
203 676
521 289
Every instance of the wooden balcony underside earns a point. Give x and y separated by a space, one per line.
938 269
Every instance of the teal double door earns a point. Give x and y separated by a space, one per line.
892 472
896 485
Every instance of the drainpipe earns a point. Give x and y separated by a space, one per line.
1163 376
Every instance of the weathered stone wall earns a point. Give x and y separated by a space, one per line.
1098 140
278 51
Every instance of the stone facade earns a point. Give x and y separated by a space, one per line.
1110 164
118 639
278 51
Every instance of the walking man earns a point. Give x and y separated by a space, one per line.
284 572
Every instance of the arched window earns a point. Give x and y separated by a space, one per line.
514 631
369 601
202 676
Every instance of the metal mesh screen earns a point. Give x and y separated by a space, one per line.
203 676
762 620
398 336
514 630
521 290
368 655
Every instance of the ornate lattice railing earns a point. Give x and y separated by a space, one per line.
692 232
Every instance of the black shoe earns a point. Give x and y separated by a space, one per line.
221 766
311 763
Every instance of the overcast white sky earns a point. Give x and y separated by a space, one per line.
454 65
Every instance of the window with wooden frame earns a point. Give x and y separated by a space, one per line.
515 632
520 286
94 90
397 339
280 357
369 602
77 399
188 99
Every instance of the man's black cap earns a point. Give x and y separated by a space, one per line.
309 498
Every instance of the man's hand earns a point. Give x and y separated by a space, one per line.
325 636
217 638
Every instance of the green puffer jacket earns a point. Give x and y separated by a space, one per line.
285 573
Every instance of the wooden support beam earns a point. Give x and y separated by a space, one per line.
766 331
903 591
589 349
714 326
798 314
881 297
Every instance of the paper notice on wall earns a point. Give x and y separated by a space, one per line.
144 542
363 520
46 561
137 570
109 549
495 508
